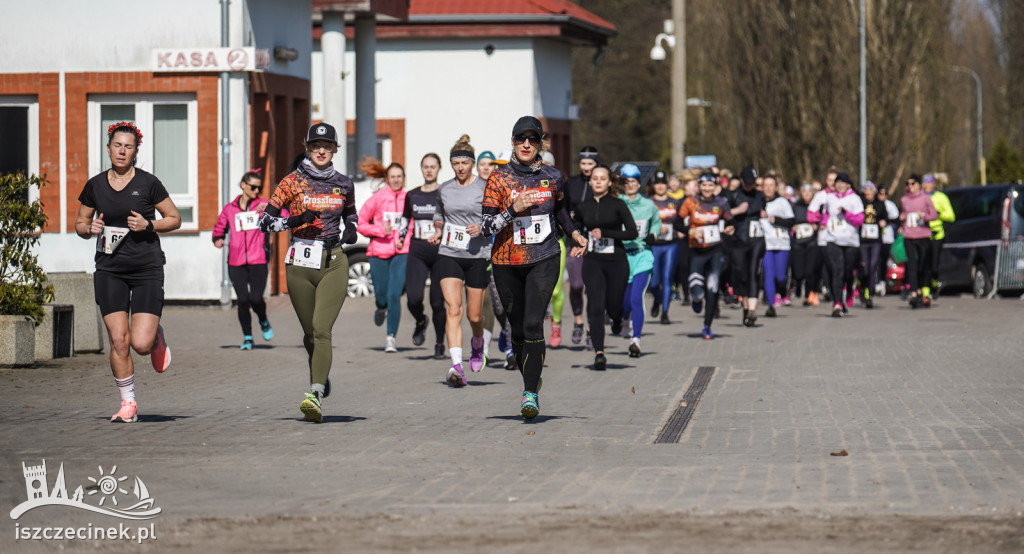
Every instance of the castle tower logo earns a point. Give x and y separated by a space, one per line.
108 488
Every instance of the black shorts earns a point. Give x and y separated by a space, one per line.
138 292
471 270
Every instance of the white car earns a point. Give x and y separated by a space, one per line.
359 281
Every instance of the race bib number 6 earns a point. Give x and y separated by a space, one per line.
305 255
531 229
110 239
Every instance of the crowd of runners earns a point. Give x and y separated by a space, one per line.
496 241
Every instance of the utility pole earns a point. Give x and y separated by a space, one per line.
679 85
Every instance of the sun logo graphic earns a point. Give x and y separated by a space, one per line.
106 485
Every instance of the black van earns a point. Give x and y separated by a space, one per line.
985 217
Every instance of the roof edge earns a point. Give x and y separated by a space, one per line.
516 18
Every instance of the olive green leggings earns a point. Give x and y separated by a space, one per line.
317 296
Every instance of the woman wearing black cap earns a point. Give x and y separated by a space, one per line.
746 249
609 223
844 214
523 204
323 217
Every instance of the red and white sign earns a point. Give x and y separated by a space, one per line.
210 59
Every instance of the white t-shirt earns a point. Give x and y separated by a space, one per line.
837 230
775 237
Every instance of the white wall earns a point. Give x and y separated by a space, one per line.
443 88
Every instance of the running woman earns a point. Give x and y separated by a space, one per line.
746 249
462 258
945 212
777 219
918 212
876 220
608 222
247 254
323 217
805 254
638 252
844 214
380 220
707 215
888 236
577 189
418 220
523 205
665 247
119 208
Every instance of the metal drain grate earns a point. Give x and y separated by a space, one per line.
680 418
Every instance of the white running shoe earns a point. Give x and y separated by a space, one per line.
389 345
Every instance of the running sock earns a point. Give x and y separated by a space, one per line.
126 387
487 337
456 353
317 388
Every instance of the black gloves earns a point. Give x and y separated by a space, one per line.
308 216
650 239
348 236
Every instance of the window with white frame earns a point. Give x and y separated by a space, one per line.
19 141
169 142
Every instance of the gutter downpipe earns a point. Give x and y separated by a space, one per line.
225 152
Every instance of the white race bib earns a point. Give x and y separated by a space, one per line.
914 219
247 221
779 233
837 224
641 229
423 228
869 231
711 235
601 245
394 218
667 232
803 230
755 230
110 239
531 229
888 235
305 255
455 236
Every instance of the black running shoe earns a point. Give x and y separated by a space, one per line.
439 352
664 318
379 316
419 332
600 362
617 327
770 312
656 309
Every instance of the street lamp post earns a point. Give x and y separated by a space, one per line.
701 103
863 96
981 154
675 38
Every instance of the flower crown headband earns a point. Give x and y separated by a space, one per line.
125 124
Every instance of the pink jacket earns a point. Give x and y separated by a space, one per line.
244 247
922 203
371 222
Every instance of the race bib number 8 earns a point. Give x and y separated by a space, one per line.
246 221
455 236
531 229
424 229
601 245
110 239
305 255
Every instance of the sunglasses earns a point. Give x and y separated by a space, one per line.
519 139
253 188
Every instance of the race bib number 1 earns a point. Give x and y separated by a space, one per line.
531 229
305 255
455 236
110 239
246 221
424 229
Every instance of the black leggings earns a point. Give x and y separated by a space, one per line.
744 263
918 272
249 281
417 266
870 257
805 261
705 275
525 291
606 285
934 258
841 261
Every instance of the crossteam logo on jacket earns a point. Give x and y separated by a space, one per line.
323 203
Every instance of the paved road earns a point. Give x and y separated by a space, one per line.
926 403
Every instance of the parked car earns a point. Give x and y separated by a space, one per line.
985 216
359 281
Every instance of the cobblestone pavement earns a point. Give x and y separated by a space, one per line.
927 404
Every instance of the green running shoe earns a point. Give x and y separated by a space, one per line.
311 408
531 406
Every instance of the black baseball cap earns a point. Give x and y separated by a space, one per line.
660 177
526 124
844 177
322 131
748 175
708 176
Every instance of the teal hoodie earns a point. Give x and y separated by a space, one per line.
644 212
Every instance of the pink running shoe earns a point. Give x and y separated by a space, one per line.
556 336
476 359
786 301
161 355
129 412
456 377
849 300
